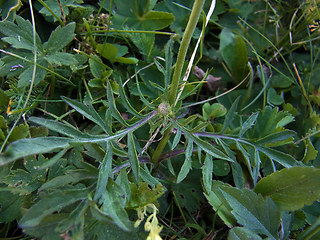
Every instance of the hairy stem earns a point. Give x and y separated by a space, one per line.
193 20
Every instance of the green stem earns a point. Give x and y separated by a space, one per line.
192 23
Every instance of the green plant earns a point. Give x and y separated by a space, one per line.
137 158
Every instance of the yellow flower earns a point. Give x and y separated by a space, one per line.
152 224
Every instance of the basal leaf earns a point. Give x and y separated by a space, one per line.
60 38
291 188
108 51
253 211
50 204
133 157
32 146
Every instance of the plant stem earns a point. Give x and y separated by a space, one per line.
192 23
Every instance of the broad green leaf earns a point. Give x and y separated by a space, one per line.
96 66
186 167
144 42
253 211
20 35
221 168
10 206
274 98
133 157
126 60
89 112
50 204
32 146
219 204
60 38
150 21
291 188
61 59
108 51
269 121
19 132
105 171
241 233
234 52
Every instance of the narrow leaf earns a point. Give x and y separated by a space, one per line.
248 123
133 158
105 172
186 167
32 146
89 112
284 159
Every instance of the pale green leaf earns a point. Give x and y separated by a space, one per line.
291 188
32 146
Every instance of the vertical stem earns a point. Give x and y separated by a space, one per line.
192 23
193 20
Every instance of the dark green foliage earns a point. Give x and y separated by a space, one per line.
100 140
